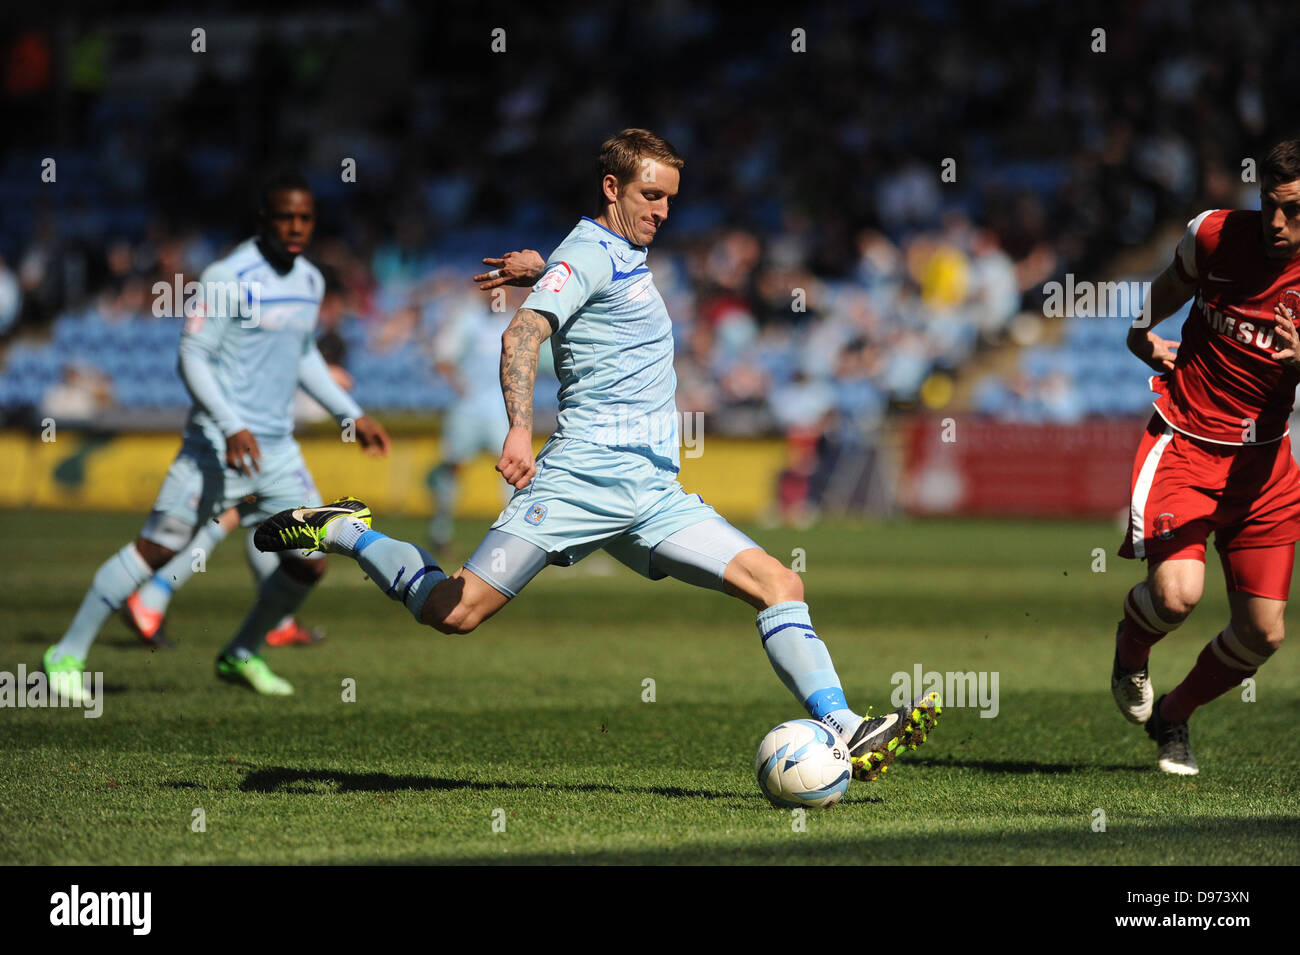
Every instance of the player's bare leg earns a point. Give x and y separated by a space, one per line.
761 580
1259 622
804 665
459 603
1153 608
155 555
404 571
1176 588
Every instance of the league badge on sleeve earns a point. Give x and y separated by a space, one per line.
554 278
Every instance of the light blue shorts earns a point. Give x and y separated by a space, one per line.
200 487
586 497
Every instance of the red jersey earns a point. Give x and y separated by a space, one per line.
1225 387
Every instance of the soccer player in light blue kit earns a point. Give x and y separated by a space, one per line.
607 478
467 350
244 351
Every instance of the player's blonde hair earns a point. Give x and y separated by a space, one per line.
622 156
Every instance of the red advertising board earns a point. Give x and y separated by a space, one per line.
973 465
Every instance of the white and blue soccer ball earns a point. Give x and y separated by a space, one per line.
803 763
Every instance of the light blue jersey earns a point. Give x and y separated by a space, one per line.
243 355
607 478
612 345
254 333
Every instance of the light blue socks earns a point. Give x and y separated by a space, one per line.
156 594
116 579
804 665
403 571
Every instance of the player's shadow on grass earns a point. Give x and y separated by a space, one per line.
1185 841
282 779
1023 767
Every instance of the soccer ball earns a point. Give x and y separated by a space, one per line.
803 763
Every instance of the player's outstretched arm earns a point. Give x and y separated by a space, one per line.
314 378
1167 295
520 344
521 268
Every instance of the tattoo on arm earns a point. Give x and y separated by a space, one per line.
519 347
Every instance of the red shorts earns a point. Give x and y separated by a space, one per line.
1248 495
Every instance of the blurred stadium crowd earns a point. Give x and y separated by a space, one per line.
820 268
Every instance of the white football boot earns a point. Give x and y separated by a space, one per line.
1132 690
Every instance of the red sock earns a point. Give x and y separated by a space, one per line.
1141 630
1219 668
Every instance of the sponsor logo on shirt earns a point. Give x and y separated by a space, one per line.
1258 333
554 278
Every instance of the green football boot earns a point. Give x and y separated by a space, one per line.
65 675
305 528
253 672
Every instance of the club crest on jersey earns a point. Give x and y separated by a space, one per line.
536 514
1163 526
1290 300
554 278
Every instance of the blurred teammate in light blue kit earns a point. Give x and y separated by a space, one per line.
247 346
467 354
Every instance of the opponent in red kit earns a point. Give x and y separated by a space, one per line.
1217 454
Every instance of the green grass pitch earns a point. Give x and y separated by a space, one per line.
538 722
